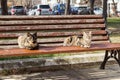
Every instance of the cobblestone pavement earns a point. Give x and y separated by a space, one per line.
112 72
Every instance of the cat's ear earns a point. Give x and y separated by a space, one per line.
28 34
90 32
84 33
35 34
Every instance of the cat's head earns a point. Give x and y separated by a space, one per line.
31 38
87 37
67 41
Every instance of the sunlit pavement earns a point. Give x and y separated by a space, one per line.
112 72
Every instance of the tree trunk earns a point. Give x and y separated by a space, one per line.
67 10
105 9
114 8
4 7
91 6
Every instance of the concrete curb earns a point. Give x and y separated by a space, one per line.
10 66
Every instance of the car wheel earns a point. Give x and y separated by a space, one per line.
34 13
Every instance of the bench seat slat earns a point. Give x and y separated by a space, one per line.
59 49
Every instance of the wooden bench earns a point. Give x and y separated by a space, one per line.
52 30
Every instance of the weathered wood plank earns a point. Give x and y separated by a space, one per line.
51 22
50 40
51 27
50 17
59 49
52 34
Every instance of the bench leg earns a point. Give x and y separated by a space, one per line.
117 52
111 54
105 60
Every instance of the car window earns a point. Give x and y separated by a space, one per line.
82 7
62 7
98 8
35 7
18 7
44 6
55 8
76 8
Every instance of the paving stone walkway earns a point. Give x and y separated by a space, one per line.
112 72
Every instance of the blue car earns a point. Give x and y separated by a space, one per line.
59 9
74 10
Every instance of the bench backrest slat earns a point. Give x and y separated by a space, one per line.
50 17
51 27
52 30
52 22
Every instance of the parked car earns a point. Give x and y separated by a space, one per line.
98 10
83 10
79 10
40 9
17 10
74 10
118 13
59 9
9 11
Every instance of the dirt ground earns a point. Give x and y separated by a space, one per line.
75 73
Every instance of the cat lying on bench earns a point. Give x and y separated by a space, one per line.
28 41
85 41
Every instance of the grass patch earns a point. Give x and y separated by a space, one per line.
113 23
114 19
115 38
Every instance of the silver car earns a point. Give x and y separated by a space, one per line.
40 9
17 10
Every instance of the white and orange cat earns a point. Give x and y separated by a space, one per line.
85 41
